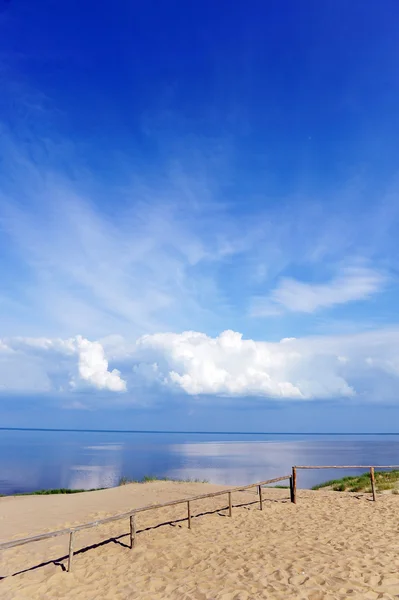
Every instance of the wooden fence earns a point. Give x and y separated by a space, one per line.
370 468
131 515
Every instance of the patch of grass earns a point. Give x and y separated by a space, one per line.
385 485
149 478
122 481
384 480
125 481
332 482
50 492
339 488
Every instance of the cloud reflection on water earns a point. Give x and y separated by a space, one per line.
43 460
236 463
106 470
93 476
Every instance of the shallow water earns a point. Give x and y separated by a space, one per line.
32 460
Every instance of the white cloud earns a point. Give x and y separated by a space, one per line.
365 366
229 365
162 261
99 271
93 367
35 364
352 283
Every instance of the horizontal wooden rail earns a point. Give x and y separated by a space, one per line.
131 513
348 467
370 468
211 495
35 538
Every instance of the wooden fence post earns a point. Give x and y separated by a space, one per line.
293 485
132 531
132 517
372 479
291 490
70 555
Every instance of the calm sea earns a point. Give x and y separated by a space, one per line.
32 460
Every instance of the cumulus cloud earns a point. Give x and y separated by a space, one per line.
93 367
229 365
35 364
363 366
352 283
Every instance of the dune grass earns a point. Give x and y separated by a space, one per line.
149 478
122 481
50 492
384 480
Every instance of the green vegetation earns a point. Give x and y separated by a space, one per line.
384 480
122 481
49 492
149 478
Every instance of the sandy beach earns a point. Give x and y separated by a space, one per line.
329 546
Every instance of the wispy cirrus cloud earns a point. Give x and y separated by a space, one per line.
350 285
161 250
135 260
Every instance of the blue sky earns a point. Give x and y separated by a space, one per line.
198 214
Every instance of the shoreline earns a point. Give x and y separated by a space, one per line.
122 481
385 481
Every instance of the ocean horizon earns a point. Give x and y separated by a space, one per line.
199 432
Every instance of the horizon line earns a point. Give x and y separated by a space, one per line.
195 432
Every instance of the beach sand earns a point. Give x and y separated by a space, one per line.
329 545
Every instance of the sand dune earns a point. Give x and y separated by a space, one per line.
329 546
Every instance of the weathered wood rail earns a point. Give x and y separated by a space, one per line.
131 515
367 467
